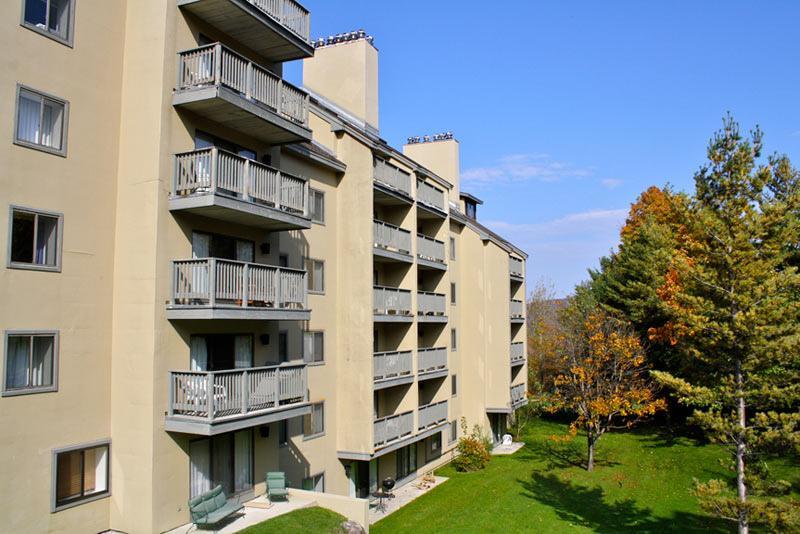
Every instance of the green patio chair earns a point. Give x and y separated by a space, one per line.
276 486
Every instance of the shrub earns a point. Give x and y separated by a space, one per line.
473 449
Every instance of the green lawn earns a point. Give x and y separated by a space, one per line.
640 484
313 520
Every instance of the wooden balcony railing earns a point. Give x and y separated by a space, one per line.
517 309
391 237
430 249
388 429
432 415
388 365
241 392
518 394
517 352
289 13
391 301
431 360
215 64
431 303
211 282
430 195
515 266
215 171
391 176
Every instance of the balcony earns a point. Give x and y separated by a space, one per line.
211 288
432 415
431 307
392 185
515 269
391 369
386 430
392 243
210 403
518 396
392 305
219 85
516 309
430 253
278 30
431 363
221 185
517 354
431 199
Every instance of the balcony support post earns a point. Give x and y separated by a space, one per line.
210 396
217 64
245 393
212 282
245 285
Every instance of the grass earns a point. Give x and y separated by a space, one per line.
314 520
641 483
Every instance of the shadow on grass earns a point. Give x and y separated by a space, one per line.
587 507
560 455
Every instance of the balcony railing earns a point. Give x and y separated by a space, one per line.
430 195
518 394
211 282
515 266
517 309
431 360
289 13
431 303
517 352
213 171
389 429
210 396
389 175
391 301
388 365
432 415
430 249
391 237
216 64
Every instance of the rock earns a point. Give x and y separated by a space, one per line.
351 527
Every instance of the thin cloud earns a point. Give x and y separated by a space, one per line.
611 183
585 223
523 167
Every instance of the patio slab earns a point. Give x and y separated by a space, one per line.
402 497
503 450
256 511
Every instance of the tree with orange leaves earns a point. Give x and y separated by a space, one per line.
603 380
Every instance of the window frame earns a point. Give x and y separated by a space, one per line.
453 340
314 333
310 415
452 248
69 40
54 506
10 264
453 288
6 392
453 385
320 475
311 192
283 433
310 275
453 436
64 126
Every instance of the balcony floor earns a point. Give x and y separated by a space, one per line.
230 109
426 211
432 375
392 382
233 210
422 263
393 318
518 320
203 427
251 27
432 318
188 313
383 255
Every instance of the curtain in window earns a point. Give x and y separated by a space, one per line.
244 352
28 117
244 251
221 465
52 121
42 363
308 346
200 467
17 362
198 351
59 17
242 460
201 245
68 475
46 237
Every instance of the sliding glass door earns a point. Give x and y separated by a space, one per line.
225 460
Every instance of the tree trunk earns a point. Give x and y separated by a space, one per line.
590 442
741 447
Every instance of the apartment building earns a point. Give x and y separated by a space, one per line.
212 273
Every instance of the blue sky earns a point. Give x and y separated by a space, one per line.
567 110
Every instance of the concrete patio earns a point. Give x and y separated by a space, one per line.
504 450
402 497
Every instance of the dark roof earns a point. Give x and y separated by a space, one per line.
473 198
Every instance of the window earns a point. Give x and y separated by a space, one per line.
453 431
453 293
314 483
314 423
452 248
316 275
453 340
283 346
406 461
313 347
52 18
41 121
316 202
35 241
80 475
433 447
31 363
283 433
453 385
283 260
222 247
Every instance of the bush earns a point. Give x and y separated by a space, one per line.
473 449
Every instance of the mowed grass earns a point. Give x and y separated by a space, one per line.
314 520
641 483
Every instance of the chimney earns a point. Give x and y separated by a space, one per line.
344 70
440 154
